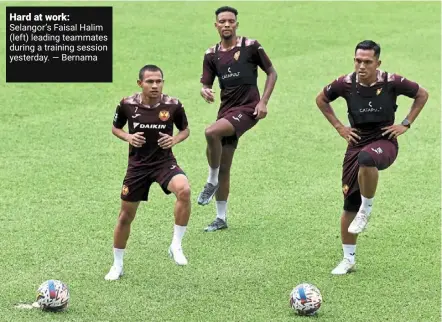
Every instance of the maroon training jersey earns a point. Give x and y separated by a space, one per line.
399 85
246 96
151 120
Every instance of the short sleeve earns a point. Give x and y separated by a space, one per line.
120 118
335 89
209 70
259 56
180 118
404 86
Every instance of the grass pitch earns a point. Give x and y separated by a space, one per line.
61 172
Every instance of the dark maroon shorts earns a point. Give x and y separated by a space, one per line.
242 120
137 182
383 153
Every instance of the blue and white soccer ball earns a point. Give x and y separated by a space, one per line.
305 299
53 295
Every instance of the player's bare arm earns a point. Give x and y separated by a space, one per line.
166 141
261 107
348 133
419 102
136 140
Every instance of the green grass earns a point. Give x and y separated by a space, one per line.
61 172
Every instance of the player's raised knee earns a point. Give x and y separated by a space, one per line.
211 132
365 159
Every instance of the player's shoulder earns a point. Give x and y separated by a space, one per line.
170 100
391 77
210 50
345 78
132 99
381 75
249 41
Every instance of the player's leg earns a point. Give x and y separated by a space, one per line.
352 201
214 136
121 235
368 176
374 157
135 189
222 193
179 185
173 180
235 123
351 206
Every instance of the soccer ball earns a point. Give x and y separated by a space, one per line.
53 296
305 299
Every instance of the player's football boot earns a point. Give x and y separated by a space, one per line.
114 274
207 194
358 224
344 267
217 224
177 254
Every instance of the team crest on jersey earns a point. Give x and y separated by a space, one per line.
345 189
378 91
164 116
236 55
125 190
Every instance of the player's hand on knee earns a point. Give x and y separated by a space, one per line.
207 94
394 131
137 139
166 141
349 134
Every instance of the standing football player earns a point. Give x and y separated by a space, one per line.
151 116
235 61
372 135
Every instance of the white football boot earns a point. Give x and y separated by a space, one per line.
177 254
358 224
344 267
114 274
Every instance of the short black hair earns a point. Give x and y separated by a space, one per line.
226 9
150 68
369 45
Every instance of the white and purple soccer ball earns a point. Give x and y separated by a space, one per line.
53 295
305 299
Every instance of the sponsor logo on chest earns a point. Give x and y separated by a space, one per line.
149 126
150 119
230 74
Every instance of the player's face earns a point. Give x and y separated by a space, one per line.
226 24
366 64
152 84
